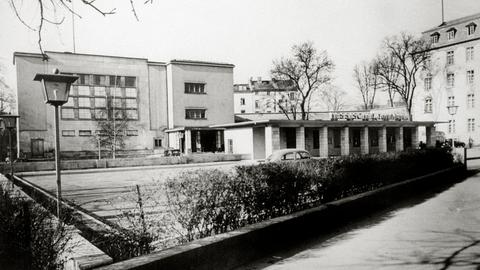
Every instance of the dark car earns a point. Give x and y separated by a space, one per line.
288 154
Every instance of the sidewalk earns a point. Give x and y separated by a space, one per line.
441 232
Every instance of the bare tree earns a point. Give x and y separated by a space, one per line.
334 98
50 10
387 85
367 83
7 96
402 58
307 70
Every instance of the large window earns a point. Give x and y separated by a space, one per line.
195 113
450 80
195 88
471 101
84 114
130 81
471 124
470 76
470 53
428 105
428 82
450 58
471 29
434 38
451 33
68 113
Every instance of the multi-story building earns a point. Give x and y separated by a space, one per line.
167 104
452 79
261 96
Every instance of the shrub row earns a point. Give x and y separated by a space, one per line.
207 202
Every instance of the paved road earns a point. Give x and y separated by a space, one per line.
105 192
442 232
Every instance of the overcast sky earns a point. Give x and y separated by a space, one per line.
247 33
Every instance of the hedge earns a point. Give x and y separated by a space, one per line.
206 202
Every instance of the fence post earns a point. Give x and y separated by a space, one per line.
465 157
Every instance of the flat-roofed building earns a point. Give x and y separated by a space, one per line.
155 96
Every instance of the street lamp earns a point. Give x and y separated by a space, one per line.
56 89
10 122
452 110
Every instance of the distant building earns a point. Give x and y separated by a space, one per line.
452 79
168 104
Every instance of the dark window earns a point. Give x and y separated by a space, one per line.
84 133
98 80
374 138
130 81
112 81
336 138
194 88
356 138
132 132
157 142
289 156
195 113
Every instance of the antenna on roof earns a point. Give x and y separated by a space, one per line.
73 27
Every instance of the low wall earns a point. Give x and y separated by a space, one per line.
233 249
119 162
79 253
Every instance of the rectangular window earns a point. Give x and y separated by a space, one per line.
195 113
116 92
434 38
68 113
100 114
68 133
469 53
117 103
132 132
98 80
471 101
451 101
451 34
470 76
100 102
84 102
450 80
130 82
99 91
373 138
83 90
471 124
336 138
132 114
428 83
428 105
451 126
471 29
131 103
131 92
84 114
450 58
291 95
84 133
257 104
157 142
242 101
114 81
83 79
195 88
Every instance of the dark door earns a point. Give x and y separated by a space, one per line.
291 137
37 147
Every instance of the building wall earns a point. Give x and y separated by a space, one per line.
242 139
440 91
259 143
248 107
217 100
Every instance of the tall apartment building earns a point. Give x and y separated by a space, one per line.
167 103
452 79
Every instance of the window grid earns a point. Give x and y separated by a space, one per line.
450 58
451 34
84 114
195 88
451 101
471 29
434 38
471 101
450 80
84 133
68 133
195 113
428 83
68 113
428 105
471 124
470 76
470 53
451 126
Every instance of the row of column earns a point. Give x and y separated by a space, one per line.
272 139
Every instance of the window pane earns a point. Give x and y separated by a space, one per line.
84 102
85 133
70 103
83 90
132 114
130 81
116 92
132 132
131 103
117 103
84 114
99 91
112 82
98 80
100 102
100 114
131 92
68 113
68 133
194 88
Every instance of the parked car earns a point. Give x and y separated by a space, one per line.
288 154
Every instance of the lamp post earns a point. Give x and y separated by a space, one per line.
10 122
56 89
452 110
